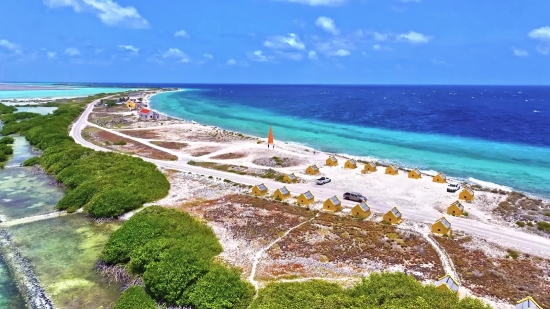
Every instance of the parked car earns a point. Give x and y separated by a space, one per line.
354 196
453 187
323 180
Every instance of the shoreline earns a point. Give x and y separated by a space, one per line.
485 184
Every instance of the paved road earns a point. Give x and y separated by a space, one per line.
509 237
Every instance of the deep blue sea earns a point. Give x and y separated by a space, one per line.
495 134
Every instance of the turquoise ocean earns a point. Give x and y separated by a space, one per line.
497 137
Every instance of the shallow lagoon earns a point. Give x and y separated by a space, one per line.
63 252
9 294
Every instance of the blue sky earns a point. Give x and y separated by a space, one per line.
276 41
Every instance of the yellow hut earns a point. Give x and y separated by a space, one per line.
290 178
440 178
130 104
466 194
415 173
447 283
393 216
361 211
281 194
351 163
456 209
259 190
369 167
528 303
312 170
442 227
332 161
392 170
332 204
306 198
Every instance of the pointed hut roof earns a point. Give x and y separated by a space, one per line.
364 206
528 303
449 281
458 204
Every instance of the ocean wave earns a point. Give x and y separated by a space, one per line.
489 184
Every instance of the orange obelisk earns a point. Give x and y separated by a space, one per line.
270 136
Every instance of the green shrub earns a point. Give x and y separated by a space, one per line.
377 291
512 253
113 203
31 161
120 143
465 214
543 226
221 288
7 140
520 223
6 149
135 297
174 254
529 223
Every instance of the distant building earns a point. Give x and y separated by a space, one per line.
415 174
528 303
332 161
290 178
332 204
466 194
281 194
440 178
147 114
447 283
305 198
456 209
361 211
392 170
259 190
131 105
312 170
393 216
369 167
442 227
351 163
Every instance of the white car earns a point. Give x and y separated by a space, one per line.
323 180
453 187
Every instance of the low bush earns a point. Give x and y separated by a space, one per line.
135 297
119 143
7 140
520 223
543 226
174 254
378 291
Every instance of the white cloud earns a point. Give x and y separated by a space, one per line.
290 55
380 47
130 48
231 62
175 53
52 55
312 55
257 56
208 56
380 36
72 51
543 50
542 33
320 2
9 45
327 24
109 12
413 37
340 53
292 41
181 34
334 46
520 52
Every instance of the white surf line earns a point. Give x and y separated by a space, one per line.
33 219
259 254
